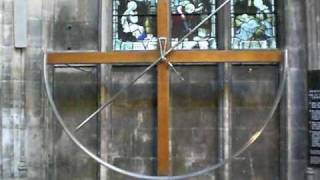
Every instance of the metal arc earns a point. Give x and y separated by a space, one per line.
185 176
141 176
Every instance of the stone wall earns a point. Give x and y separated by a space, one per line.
22 125
313 24
33 147
75 88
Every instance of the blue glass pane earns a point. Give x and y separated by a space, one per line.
253 24
134 24
186 14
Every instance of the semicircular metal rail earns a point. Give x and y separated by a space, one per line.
140 176
188 175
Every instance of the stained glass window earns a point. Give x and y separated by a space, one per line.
253 24
134 24
186 14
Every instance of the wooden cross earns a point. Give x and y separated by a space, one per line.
180 56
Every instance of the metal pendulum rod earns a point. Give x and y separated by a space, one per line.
163 45
156 62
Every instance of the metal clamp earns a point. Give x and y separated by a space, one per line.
163 47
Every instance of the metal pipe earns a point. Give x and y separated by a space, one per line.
225 101
225 119
105 81
310 174
295 102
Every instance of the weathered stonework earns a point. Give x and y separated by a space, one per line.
33 146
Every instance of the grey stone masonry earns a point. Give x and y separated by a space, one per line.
313 26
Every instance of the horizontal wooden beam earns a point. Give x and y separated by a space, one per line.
194 56
225 56
115 57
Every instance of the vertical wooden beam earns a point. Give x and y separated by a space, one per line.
163 120
163 29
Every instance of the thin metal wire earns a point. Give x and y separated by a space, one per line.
123 89
185 176
116 95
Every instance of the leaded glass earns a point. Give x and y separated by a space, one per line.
134 24
186 14
253 24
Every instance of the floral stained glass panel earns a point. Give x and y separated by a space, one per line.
134 24
253 24
186 14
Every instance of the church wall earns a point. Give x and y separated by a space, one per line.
313 26
33 147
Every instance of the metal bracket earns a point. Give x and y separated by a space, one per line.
163 48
